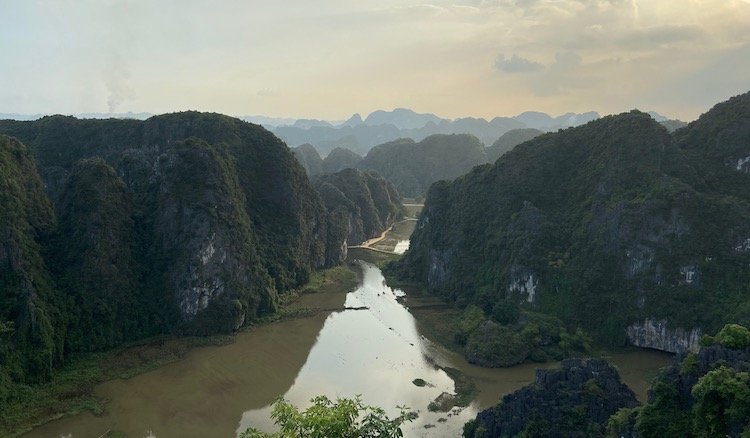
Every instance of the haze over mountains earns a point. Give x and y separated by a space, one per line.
360 135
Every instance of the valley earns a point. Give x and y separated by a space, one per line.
343 342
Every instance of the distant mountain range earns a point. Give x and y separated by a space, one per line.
412 166
360 135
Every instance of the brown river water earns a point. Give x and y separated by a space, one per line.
374 348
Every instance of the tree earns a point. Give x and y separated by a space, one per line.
722 402
734 336
344 418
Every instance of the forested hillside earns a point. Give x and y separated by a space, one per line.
412 166
361 205
187 223
610 226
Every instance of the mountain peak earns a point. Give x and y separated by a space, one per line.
401 118
354 120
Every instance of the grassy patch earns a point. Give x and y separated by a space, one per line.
436 324
465 388
377 258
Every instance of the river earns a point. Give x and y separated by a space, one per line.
372 348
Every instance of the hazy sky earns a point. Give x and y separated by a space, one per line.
328 59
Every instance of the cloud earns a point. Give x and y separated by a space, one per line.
516 64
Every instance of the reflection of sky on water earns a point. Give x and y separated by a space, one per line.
375 352
401 246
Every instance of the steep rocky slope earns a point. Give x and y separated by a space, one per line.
188 222
32 325
362 204
610 226
575 400
701 394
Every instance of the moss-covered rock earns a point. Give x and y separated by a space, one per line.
575 400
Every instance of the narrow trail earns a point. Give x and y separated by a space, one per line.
368 244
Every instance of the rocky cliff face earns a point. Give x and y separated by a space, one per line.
702 393
606 226
33 328
206 240
363 204
94 259
657 335
575 400
185 222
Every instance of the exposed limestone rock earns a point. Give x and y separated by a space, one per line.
525 283
656 334
743 245
639 259
690 275
743 165
592 389
439 268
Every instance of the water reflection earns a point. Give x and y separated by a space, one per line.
401 246
375 351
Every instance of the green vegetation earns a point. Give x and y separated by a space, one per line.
345 418
601 226
578 400
733 336
509 140
419 382
361 204
464 387
703 394
722 399
185 223
32 316
412 166
70 388
511 336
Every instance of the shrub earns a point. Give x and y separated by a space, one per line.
467 323
345 418
734 336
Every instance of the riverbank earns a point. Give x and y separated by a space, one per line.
71 389
434 317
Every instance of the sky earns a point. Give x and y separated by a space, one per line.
329 59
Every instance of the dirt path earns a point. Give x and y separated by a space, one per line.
369 244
